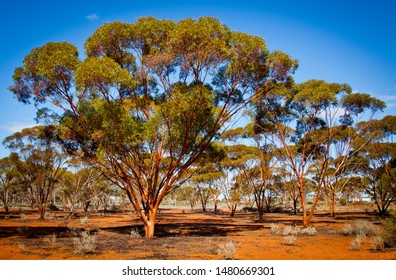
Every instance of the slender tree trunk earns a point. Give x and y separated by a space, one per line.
41 210
302 200
233 209
333 205
261 215
86 206
295 206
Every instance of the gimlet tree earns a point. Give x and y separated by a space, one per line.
306 121
149 99
8 182
378 161
38 162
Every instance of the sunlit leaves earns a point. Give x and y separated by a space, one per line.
200 44
100 74
46 70
357 103
112 40
319 94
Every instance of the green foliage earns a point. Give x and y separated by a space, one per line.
149 99
46 71
98 74
389 229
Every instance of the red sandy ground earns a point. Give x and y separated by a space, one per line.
182 234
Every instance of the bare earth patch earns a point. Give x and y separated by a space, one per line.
181 235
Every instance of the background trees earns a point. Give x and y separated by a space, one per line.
377 161
151 98
8 182
38 163
312 124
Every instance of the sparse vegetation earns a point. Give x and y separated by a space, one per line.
275 229
145 117
361 227
290 239
309 231
227 251
389 230
377 243
84 221
23 229
347 229
85 244
366 228
135 233
291 230
355 244
50 239
74 231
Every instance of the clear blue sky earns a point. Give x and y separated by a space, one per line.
350 42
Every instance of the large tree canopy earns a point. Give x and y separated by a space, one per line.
149 98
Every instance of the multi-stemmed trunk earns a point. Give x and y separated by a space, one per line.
149 223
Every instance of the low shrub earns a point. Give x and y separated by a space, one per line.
84 221
347 229
275 229
50 239
309 231
135 233
389 230
377 243
361 227
290 239
366 228
249 209
355 244
227 251
289 230
85 244
343 201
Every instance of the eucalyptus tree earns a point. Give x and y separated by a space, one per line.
378 161
149 98
9 186
38 162
189 194
79 186
256 164
305 121
289 189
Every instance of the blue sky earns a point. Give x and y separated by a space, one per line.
350 42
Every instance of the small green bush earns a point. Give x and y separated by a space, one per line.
389 230
343 201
